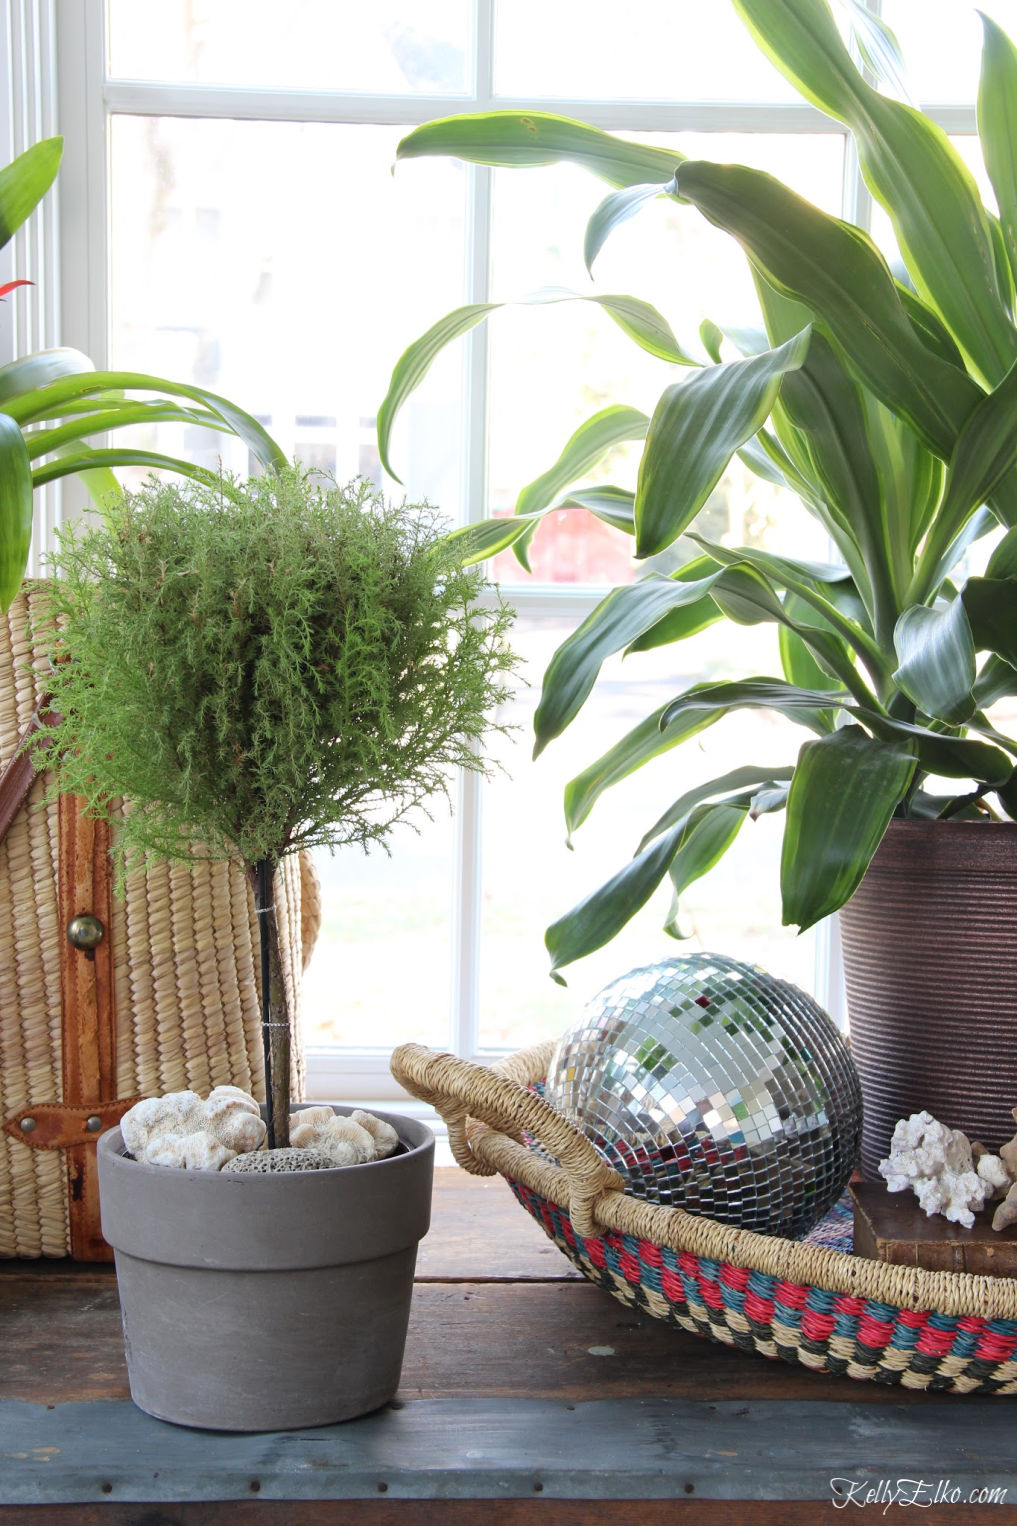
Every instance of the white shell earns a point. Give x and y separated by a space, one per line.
166 1130
936 1162
347 1141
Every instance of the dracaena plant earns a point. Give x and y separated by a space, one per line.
886 400
52 402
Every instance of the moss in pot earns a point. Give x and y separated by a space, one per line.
261 667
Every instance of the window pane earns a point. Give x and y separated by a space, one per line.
664 49
386 47
530 877
297 312
381 970
941 41
553 366
300 318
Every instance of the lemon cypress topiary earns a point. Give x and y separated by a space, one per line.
264 666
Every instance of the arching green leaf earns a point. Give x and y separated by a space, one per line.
911 167
709 832
15 510
845 789
603 913
638 319
590 442
804 706
997 126
738 779
68 391
515 138
88 460
696 428
991 608
985 452
24 182
617 620
637 747
38 370
836 270
616 209
937 661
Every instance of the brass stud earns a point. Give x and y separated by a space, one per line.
85 932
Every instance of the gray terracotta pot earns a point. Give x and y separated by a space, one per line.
930 964
256 1302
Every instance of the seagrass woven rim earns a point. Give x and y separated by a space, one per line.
487 1147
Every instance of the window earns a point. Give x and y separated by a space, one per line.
228 215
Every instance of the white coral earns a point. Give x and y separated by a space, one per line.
182 1130
347 1140
200 1151
936 1162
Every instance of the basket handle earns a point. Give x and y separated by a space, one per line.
459 1089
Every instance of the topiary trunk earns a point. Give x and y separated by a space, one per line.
275 1013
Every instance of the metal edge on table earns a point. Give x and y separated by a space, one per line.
109 1451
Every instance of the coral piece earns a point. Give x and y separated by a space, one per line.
936 1162
992 1170
158 1129
265 1161
1006 1213
348 1141
386 1139
1008 1153
189 1152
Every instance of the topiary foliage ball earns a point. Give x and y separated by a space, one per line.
267 665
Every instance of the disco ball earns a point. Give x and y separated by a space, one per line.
712 1086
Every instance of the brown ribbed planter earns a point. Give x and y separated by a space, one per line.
930 963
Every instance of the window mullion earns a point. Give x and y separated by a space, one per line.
84 197
33 252
468 817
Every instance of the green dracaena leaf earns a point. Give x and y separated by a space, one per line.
736 781
696 428
514 138
636 318
603 913
630 752
615 209
911 167
617 620
845 789
936 656
991 608
837 271
590 442
997 126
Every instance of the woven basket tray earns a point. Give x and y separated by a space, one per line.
781 1298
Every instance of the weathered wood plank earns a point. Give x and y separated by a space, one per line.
61 1340
687 1511
618 1449
565 1341
479 1232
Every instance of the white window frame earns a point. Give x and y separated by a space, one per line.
55 58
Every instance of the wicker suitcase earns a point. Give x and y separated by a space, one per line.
168 999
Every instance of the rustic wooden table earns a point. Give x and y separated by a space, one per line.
528 1396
